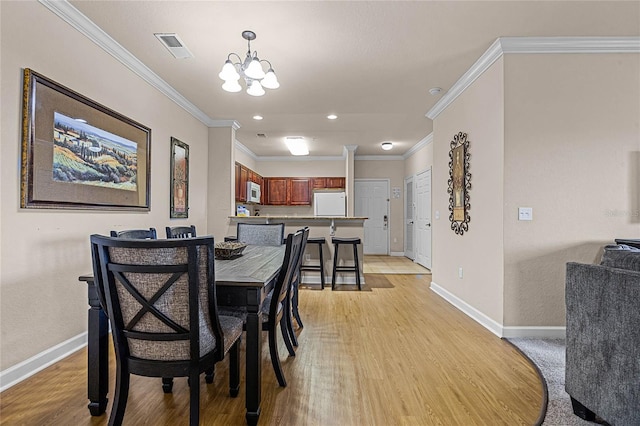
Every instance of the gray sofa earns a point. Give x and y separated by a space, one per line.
603 337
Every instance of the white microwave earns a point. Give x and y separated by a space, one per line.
253 192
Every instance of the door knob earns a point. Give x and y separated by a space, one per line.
429 225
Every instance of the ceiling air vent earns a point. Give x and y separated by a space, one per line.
174 45
261 135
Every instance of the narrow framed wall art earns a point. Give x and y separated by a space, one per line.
179 179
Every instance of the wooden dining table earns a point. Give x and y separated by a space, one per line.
241 281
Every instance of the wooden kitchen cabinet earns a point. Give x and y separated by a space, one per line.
319 183
328 183
299 191
281 191
276 191
244 175
335 182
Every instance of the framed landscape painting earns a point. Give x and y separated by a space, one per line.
78 154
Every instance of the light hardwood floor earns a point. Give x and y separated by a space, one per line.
394 353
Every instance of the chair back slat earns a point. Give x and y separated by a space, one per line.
181 231
136 234
261 234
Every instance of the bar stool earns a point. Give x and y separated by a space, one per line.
355 268
320 268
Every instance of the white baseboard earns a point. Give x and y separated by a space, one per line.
536 332
396 253
21 371
495 327
472 312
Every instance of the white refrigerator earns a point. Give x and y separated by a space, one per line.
329 204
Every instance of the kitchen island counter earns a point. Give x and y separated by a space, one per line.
319 226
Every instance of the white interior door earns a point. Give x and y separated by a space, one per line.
371 199
409 214
423 218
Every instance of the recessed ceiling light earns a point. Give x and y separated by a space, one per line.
386 145
332 116
435 90
297 145
257 117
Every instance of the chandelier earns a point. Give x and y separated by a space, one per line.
251 70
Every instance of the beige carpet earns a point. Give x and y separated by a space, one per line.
374 264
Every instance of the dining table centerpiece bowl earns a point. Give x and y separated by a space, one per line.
229 249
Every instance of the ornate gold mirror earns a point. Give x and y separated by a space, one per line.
459 184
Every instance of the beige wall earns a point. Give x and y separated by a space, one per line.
301 168
480 250
44 251
394 171
245 159
419 161
575 161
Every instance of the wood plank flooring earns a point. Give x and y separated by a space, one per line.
378 264
394 353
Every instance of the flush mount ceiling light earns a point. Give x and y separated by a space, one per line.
332 116
435 90
297 145
257 117
251 70
386 145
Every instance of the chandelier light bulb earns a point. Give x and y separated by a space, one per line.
231 86
270 81
255 89
228 71
254 70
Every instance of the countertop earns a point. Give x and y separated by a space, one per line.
292 218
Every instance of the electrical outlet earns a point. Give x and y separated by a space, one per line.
460 272
395 240
307 257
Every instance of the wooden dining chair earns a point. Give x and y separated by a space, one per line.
292 307
161 302
181 231
136 234
274 306
260 234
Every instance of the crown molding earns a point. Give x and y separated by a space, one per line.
378 158
84 25
504 45
246 150
424 142
300 158
225 123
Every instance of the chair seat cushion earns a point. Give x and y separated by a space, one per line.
232 330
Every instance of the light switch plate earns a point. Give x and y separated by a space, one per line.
525 213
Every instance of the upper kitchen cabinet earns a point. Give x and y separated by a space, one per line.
244 175
287 191
299 191
335 182
328 183
275 191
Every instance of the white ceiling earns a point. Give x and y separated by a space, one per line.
370 62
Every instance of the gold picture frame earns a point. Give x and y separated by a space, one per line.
459 184
79 154
179 179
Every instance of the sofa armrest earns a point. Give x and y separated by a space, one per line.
603 340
